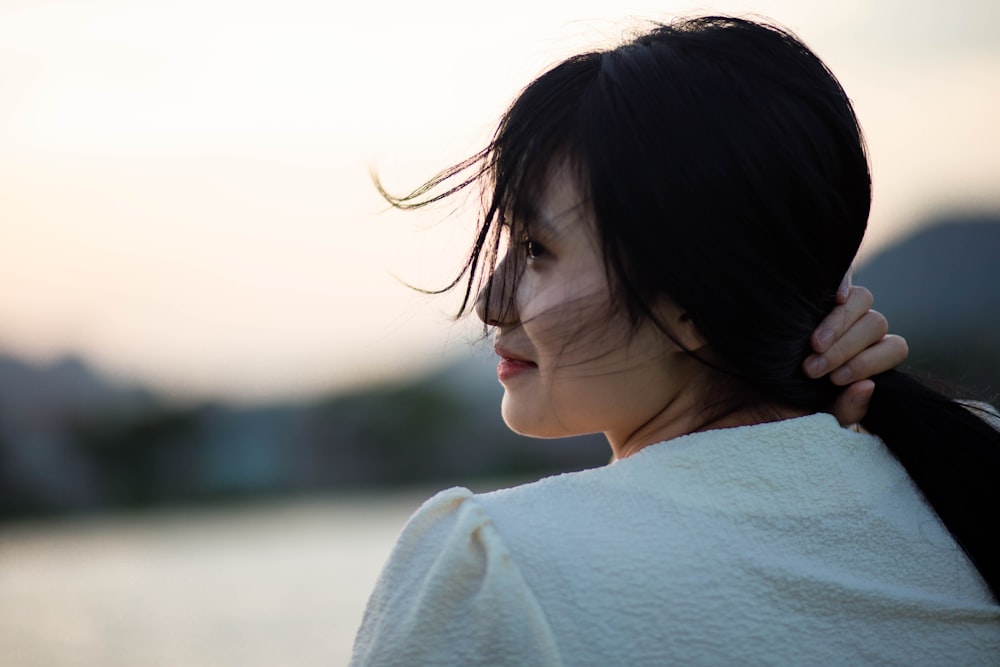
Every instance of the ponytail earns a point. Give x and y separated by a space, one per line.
952 453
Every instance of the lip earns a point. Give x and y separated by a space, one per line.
511 364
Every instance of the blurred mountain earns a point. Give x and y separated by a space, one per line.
64 387
940 288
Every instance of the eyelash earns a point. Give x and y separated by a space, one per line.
532 248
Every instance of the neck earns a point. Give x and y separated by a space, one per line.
682 417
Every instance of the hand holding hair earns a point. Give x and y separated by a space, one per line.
852 345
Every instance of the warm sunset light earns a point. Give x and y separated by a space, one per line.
186 199
220 400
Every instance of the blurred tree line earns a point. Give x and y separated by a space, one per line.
71 442
108 447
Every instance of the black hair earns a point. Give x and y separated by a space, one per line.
726 170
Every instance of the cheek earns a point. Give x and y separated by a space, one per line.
537 302
558 290
612 383
620 387
572 334
575 403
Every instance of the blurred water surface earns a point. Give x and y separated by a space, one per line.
276 584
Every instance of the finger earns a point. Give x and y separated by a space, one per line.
869 330
879 358
852 404
841 318
845 287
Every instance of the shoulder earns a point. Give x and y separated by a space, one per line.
717 534
452 595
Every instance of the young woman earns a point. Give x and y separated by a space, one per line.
665 227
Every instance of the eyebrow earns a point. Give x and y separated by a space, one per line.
560 223
530 217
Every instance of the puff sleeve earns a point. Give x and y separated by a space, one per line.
452 595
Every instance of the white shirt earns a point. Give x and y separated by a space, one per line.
788 543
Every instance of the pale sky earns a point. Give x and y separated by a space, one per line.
185 198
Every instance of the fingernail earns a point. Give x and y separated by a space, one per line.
816 366
842 375
824 336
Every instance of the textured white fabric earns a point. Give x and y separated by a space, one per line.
790 543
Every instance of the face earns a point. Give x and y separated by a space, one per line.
569 362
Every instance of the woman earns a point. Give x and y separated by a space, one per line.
666 225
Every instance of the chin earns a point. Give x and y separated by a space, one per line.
516 422
522 419
532 419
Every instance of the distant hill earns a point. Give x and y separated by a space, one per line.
46 391
940 288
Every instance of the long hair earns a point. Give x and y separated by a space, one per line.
727 171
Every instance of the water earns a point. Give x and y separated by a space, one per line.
281 584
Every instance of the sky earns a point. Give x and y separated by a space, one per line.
185 198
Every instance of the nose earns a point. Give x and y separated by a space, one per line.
495 302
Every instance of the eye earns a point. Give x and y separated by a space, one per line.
532 248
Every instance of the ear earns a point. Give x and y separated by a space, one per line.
683 327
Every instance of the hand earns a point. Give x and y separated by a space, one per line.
851 345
